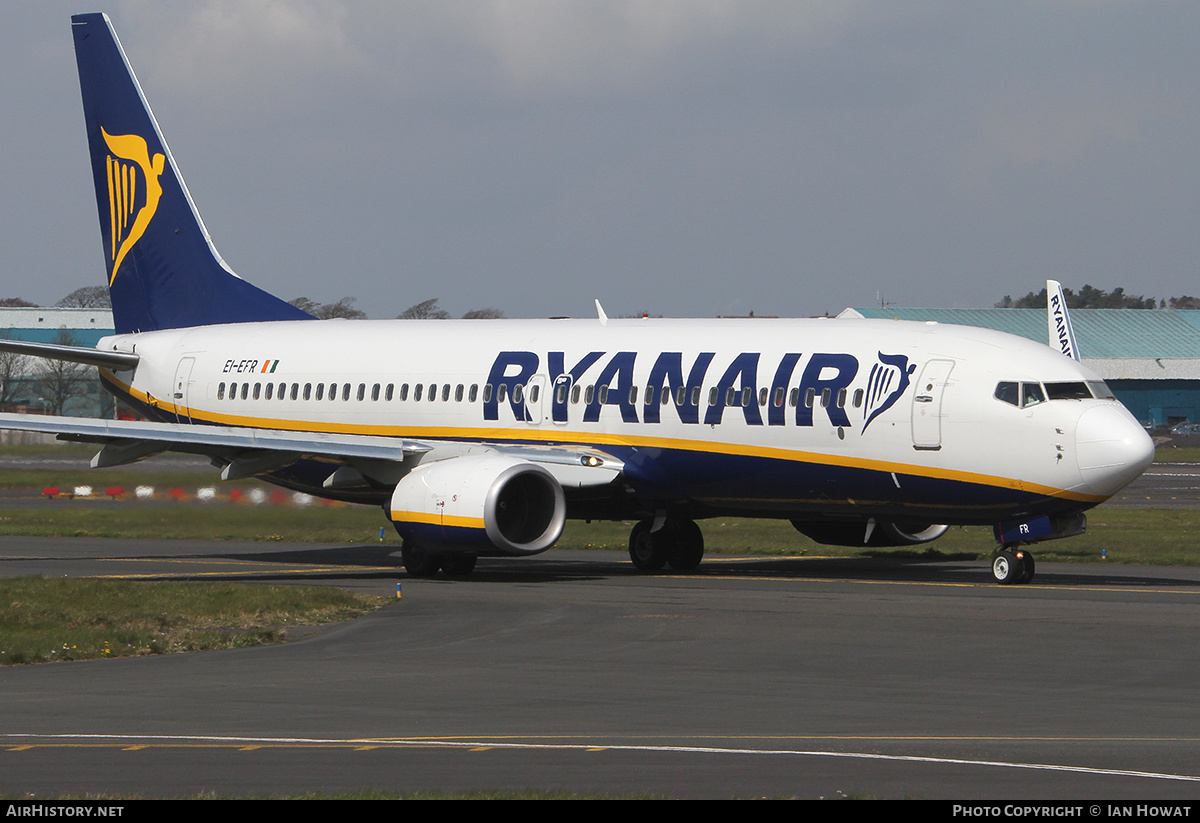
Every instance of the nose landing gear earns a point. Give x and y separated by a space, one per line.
1012 566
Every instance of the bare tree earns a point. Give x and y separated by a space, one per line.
88 297
342 308
16 302
1089 297
13 368
325 311
305 304
59 381
428 310
483 314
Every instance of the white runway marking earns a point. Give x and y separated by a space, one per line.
24 740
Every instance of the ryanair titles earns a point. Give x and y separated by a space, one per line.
686 385
1061 326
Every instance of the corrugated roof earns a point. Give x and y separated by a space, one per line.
1101 333
41 324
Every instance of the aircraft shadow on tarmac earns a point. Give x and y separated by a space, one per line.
384 562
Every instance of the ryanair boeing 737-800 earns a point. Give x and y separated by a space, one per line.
481 438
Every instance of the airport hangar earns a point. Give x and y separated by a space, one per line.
1150 358
68 326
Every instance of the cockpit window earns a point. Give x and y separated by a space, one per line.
1068 391
1009 392
1031 394
1024 395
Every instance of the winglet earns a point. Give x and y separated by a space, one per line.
1062 334
600 313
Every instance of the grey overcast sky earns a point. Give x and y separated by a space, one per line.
682 157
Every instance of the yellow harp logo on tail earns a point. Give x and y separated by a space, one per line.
130 209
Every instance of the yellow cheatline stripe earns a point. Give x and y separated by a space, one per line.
438 519
601 439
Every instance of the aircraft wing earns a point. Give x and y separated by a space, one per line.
246 451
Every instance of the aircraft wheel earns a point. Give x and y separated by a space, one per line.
458 565
419 562
1007 568
1027 562
647 550
688 550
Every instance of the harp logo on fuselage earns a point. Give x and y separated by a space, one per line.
762 393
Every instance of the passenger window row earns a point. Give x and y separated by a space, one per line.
332 391
589 394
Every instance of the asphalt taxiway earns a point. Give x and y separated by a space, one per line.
751 677
1162 486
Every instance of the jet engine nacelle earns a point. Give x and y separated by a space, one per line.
488 504
877 533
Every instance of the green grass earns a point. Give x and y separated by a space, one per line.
204 521
126 477
59 450
54 619
1125 535
1177 454
1153 536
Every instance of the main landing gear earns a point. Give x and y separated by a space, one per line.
421 563
1011 566
678 543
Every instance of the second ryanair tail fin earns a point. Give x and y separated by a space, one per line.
163 270
1062 333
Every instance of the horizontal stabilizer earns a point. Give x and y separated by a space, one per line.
114 360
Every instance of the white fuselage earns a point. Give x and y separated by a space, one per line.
785 418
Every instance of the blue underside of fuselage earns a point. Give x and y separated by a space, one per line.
723 484
699 484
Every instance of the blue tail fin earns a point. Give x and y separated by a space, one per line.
163 270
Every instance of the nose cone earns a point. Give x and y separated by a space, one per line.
1113 449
